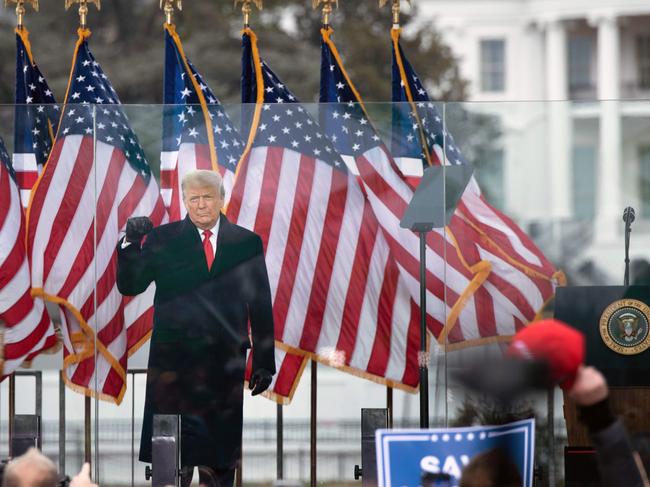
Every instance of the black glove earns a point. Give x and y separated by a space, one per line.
137 227
260 381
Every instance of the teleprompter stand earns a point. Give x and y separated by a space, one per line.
432 206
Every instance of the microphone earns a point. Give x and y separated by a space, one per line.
628 218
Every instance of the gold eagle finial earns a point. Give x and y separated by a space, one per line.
246 9
20 9
167 6
83 9
395 9
327 8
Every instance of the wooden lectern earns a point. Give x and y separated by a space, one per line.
616 324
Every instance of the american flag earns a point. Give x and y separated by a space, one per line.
332 298
36 116
27 329
466 300
198 134
520 272
88 190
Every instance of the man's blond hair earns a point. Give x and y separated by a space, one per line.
202 178
33 469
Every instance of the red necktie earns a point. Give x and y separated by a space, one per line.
207 248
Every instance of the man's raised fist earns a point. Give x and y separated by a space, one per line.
137 227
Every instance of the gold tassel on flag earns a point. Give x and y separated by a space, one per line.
83 9
167 6
20 9
395 9
246 9
327 9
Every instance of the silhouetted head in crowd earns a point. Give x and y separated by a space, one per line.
492 468
33 469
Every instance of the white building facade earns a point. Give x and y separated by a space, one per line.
578 161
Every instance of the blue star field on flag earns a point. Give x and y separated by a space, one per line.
183 118
343 117
407 138
36 112
90 93
283 121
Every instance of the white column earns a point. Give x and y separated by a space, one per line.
609 205
556 60
559 121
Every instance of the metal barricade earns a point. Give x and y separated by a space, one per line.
26 434
25 429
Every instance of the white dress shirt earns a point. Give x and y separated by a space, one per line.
213 237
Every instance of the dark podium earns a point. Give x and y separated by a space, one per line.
616 324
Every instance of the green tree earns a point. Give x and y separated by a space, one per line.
128 42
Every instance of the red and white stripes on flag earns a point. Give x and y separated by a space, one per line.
337 294
78 209
198 134
519 270
336 291
488 296
80 204
27 329
474 293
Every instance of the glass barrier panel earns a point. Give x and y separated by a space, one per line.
325 187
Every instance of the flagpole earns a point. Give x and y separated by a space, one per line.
83 16
279 409
423 358
279 441
313 424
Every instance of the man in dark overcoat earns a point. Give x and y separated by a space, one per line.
211 284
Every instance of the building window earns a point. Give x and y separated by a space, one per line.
584 181
580 64
493 65
643 61
644 179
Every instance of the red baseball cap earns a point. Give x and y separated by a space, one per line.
554 342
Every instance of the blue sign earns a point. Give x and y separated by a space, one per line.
404 455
